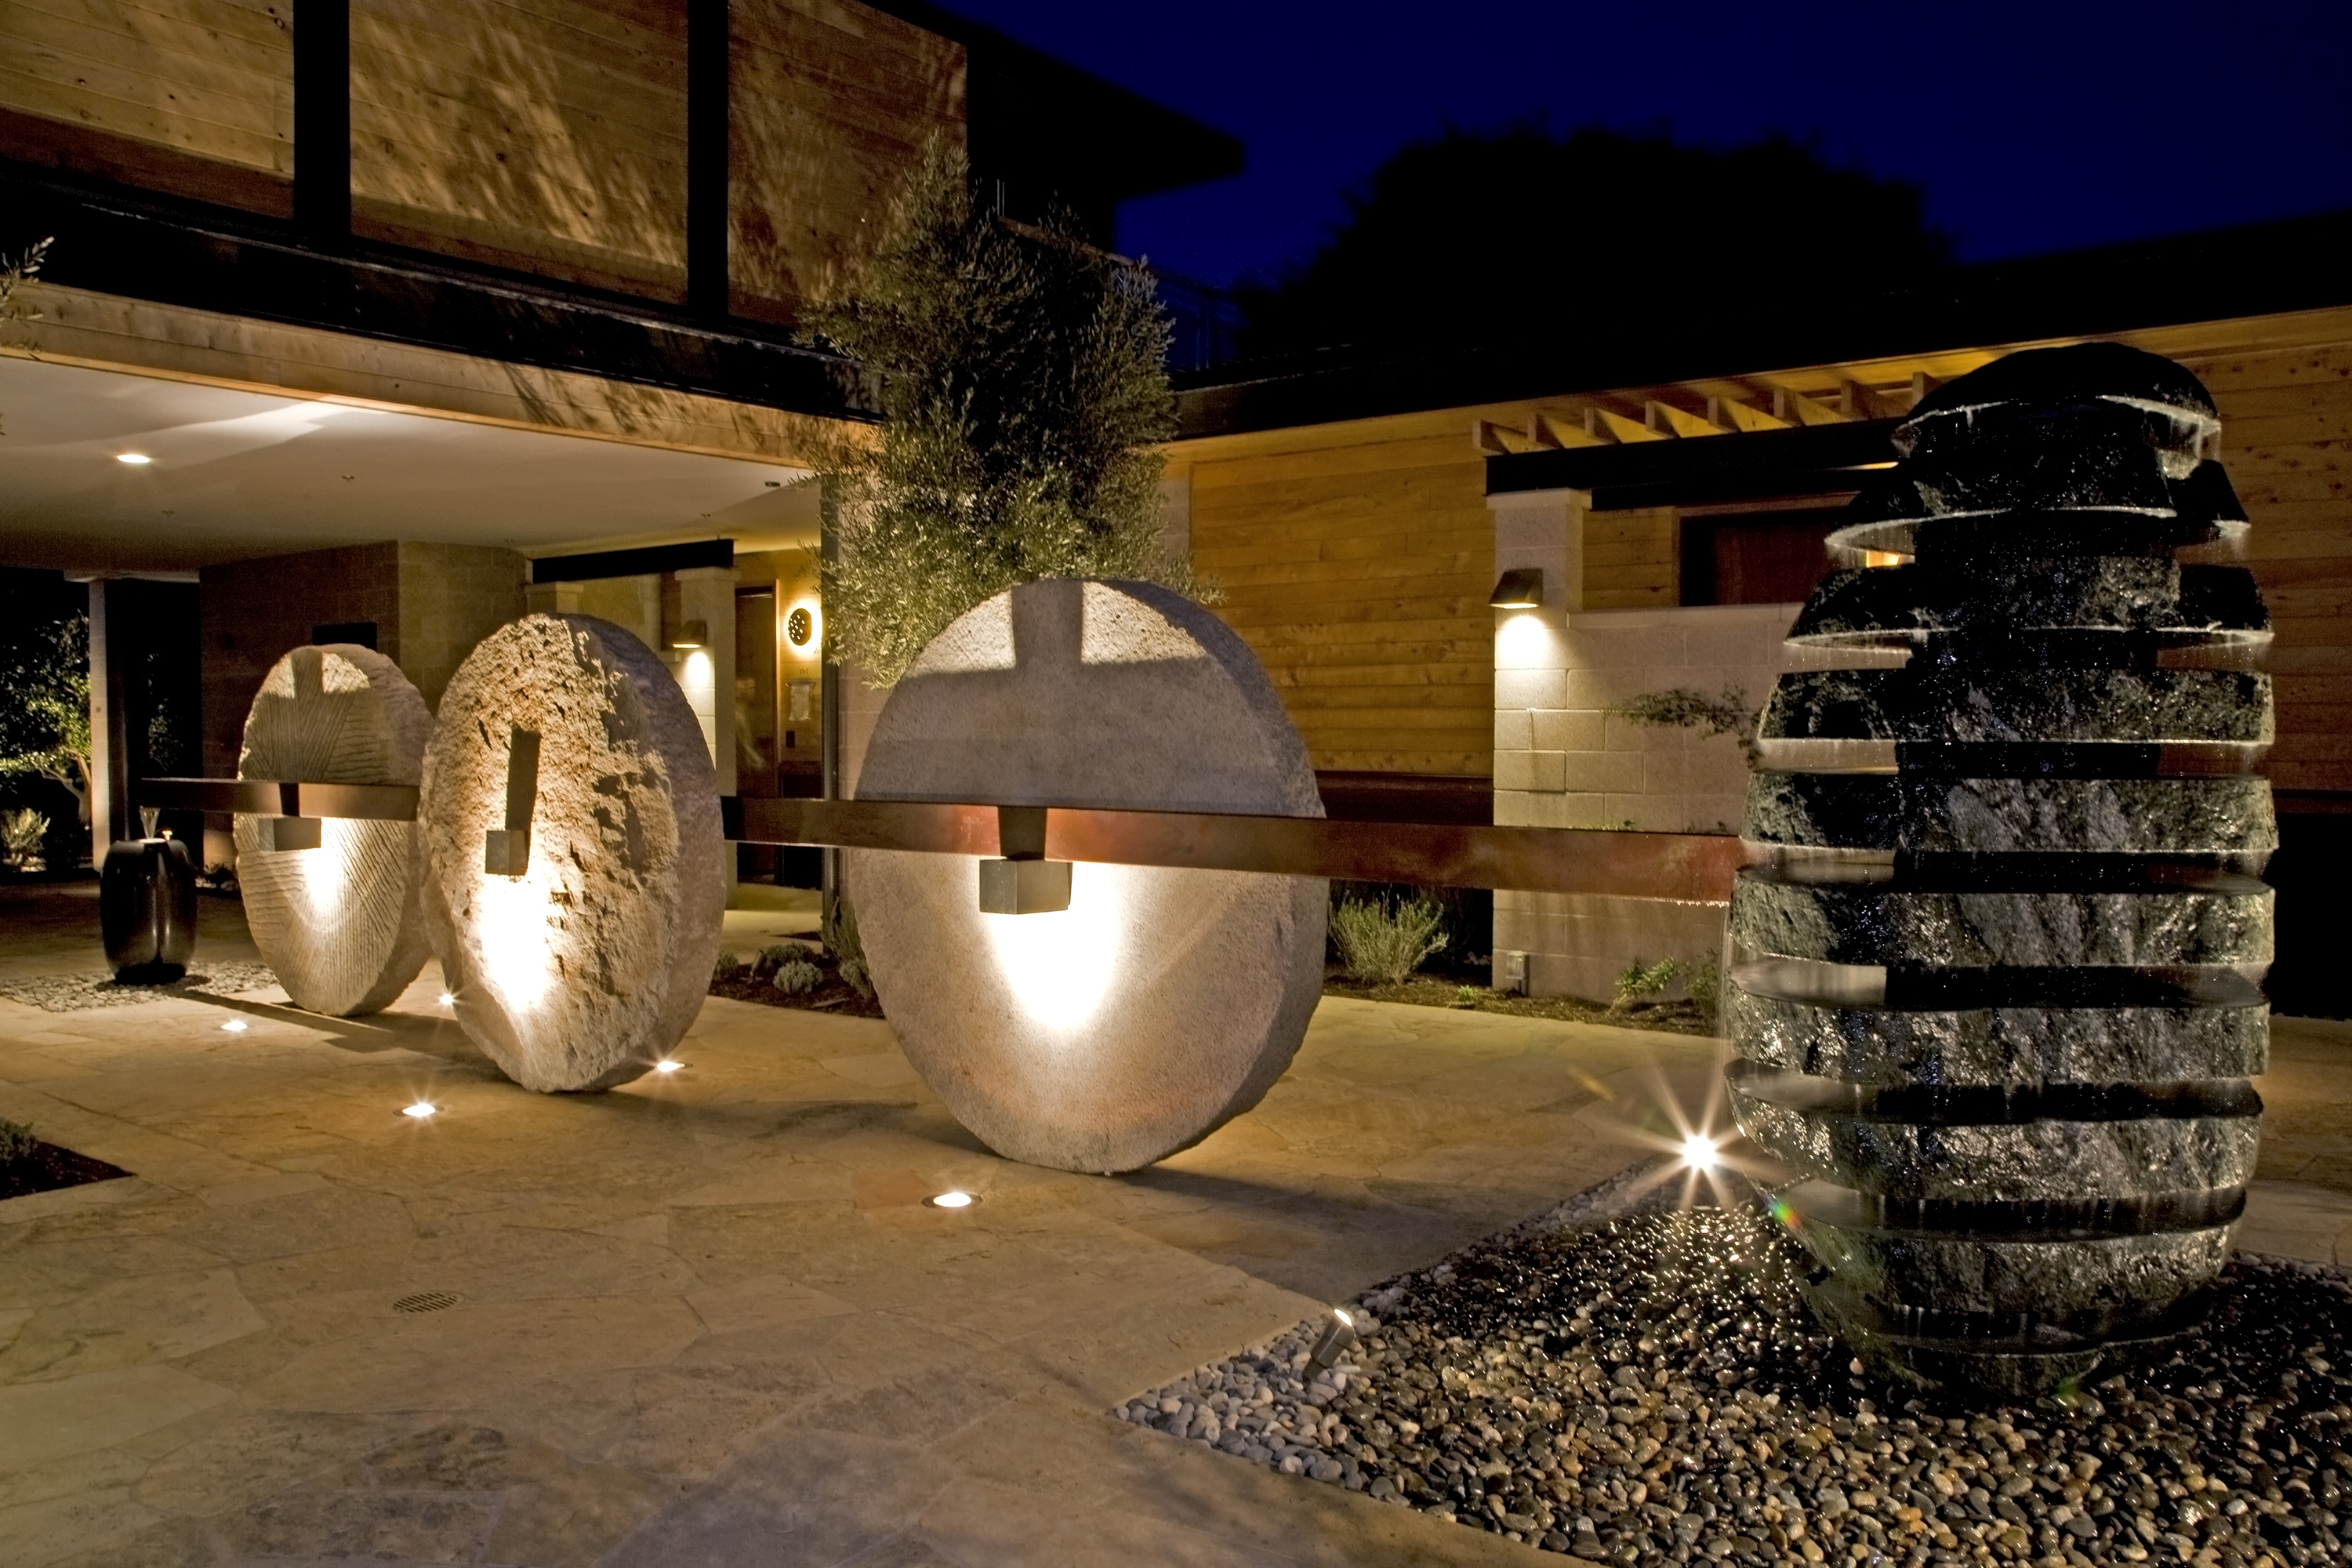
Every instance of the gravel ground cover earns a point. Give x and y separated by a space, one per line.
1650 1389
76 993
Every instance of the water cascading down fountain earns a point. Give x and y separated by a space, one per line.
1995 979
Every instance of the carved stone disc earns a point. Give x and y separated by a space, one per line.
583 969
1162 1003
341 923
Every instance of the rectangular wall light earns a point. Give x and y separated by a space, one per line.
1520 588
293 832
1024 887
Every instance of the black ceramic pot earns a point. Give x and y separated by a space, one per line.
147 909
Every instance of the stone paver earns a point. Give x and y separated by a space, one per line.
704 1319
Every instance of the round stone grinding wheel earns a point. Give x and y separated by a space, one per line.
1162 1003
566 756
341 923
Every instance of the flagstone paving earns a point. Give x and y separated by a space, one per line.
705 1318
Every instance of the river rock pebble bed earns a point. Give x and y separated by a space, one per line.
1650 1389
78 992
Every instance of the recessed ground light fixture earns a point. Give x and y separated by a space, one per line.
1339 1334
1699 1151
692 634
949 1200
236 1026
667 1063
420 1111
447 1000
134 458
1520 588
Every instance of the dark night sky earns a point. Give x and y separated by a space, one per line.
2031 127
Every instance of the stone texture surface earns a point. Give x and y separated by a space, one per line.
1162 1003
341 925
583 971
1995 967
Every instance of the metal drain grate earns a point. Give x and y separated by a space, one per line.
427 1301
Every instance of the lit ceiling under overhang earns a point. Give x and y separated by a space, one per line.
234 475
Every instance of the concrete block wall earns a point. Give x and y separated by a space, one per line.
255 612
1562 760
451 597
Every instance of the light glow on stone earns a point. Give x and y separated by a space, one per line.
1059 964
949 1200
420 1109
514 920
1526 641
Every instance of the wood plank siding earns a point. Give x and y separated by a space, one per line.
545 135
832 103
1356 561
1357 557
191 95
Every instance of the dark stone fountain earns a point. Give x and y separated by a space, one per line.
1995 991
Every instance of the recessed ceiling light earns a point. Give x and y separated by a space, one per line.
132 458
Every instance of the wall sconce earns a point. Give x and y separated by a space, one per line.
1520 588
1023 882
691 635
506 851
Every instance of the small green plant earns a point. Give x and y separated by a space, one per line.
1703 980
16 1141
839 934
22 833
1639 981
725 967
1381 942
797 976
1465 996
1680 708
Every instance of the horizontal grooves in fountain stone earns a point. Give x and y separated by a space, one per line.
1985 1162
1994 815
2049 1220
1997 1288
1971 1105
1870 985
1999 1044
2003 1334
1886 924
2010 706
1869 606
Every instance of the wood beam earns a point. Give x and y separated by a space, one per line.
1794 407
1744 417
1558 431
1603 422
1665 417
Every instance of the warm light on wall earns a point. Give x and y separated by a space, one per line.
1526 641
804 626
1058 965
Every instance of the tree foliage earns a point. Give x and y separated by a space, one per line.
1680 708
1023 385
45 717
1471 236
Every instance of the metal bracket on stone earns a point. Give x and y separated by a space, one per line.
506 851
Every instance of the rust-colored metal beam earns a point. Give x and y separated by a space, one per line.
1696 867
273 798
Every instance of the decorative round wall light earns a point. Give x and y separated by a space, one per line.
800 625
333 903
570 821
1159 1003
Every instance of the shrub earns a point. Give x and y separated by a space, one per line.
1680 708
22 833
798 976
1700 978
17 1141
839 934
725 967
1381 942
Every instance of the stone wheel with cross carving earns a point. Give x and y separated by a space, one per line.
1162 1003
340 924
582 967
